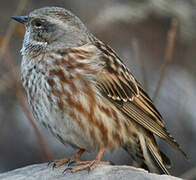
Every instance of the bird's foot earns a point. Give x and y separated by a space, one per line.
89 165
69 160
58 163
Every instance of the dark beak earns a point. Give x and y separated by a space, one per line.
21 19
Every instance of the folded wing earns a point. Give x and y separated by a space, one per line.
119 86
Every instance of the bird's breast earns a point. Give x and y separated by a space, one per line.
72 108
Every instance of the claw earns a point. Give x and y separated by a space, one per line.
54 165
68 168
80 165
89 165
71 160
49 163
69 163
88 169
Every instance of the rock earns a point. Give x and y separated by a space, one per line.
45 172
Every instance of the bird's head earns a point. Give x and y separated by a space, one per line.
52 28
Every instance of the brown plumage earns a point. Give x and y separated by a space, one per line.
83 93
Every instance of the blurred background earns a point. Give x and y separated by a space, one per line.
155 38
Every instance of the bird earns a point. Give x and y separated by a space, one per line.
83 93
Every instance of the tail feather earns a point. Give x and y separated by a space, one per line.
170 140
144 150
157 158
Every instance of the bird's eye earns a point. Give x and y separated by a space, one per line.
38 23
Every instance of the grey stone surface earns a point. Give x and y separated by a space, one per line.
45 172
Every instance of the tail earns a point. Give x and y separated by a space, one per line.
158 160
147 154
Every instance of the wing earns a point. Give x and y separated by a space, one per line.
119 86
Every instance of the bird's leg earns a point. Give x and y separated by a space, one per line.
90 165
70 160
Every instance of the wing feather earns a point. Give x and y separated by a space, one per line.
119 86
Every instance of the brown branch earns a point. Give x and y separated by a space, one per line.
168 55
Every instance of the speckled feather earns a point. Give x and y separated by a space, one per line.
80 90
61 87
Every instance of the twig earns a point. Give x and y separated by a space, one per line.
135 45
168 55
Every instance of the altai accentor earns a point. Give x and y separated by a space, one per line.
80 90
